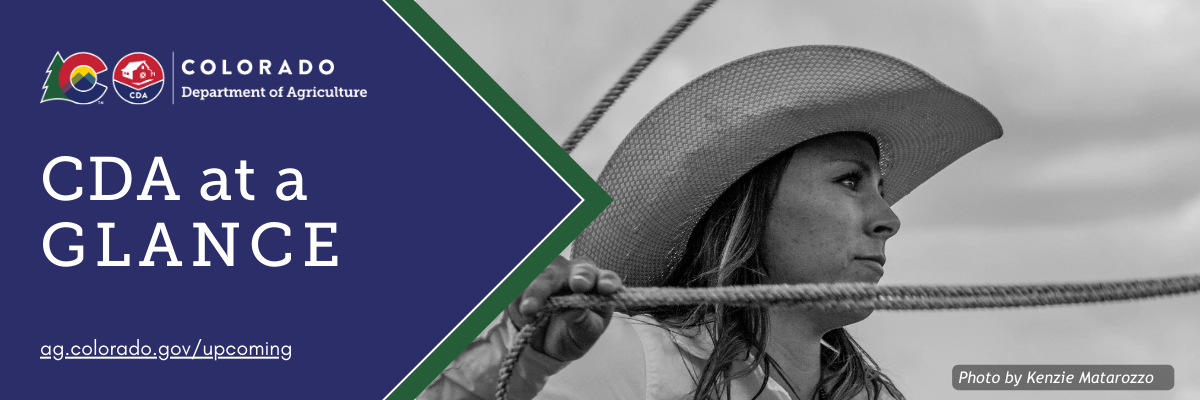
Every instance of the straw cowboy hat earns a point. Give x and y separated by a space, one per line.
691 147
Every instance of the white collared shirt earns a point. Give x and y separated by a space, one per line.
635 358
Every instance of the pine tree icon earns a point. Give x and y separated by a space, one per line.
51 90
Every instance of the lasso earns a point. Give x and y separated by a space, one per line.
822 296
854 296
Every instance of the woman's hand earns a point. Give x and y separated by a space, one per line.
572 332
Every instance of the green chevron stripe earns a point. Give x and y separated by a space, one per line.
594 198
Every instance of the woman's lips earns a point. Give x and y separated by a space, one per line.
873 262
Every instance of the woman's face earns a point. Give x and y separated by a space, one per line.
828 221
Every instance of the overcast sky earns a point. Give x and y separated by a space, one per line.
1097 175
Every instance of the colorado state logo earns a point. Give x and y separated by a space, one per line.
74 79
138 78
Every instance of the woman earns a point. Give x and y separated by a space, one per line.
769 169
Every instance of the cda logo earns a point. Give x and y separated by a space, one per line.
74 79
139 78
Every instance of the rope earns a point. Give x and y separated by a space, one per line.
568 145
855 296
519 343
611 97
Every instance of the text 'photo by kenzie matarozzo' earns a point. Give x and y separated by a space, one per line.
785 142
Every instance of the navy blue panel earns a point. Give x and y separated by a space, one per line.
434 197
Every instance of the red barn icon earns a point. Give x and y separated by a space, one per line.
138 72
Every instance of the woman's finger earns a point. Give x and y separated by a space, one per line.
551 280
608 283
583 275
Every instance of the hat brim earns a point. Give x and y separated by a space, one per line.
691 147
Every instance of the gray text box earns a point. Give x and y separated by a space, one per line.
1063 377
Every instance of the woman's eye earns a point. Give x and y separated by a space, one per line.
850 181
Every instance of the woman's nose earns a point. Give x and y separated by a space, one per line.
882 222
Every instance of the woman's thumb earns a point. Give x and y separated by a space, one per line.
572 333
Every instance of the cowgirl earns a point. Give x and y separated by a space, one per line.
780 167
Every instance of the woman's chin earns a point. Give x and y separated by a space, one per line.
834 319
827 320
857 315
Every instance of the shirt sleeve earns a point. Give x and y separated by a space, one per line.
614 368
474 373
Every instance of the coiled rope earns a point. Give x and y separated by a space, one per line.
854 296
644 61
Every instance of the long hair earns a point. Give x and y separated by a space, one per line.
723 250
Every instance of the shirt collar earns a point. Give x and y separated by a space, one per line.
695 341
